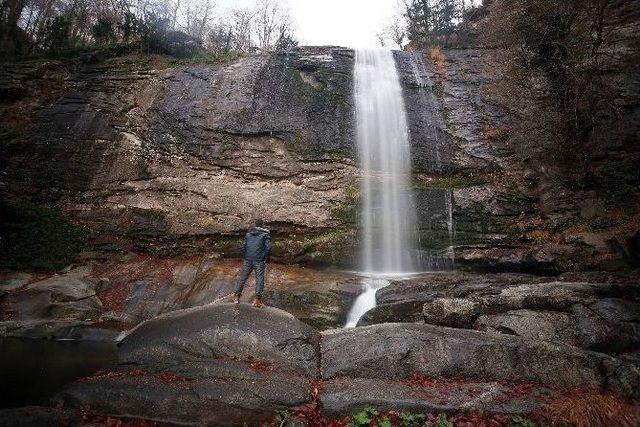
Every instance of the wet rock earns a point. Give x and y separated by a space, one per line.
36 416
67 296
14 280
397 312
393 351
56 329
142 287
534 325
342 397
211 392
558 296
322 310
617 310
223 330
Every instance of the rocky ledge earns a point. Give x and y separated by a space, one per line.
591 311
105 296
225 364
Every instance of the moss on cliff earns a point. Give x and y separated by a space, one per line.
453 181
36 238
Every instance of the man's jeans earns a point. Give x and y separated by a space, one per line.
247 266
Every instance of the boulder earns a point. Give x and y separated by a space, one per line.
557 296
14 280
36 416
56 329
617 310
67 296
205 392
224 330
534 325
409 311
393 351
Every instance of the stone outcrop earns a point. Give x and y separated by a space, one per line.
225 330
595 311
413 349
225 364
67 296
111 294
224 393
593 316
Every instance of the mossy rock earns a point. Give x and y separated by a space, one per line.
452 181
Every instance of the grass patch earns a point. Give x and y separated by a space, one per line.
36 238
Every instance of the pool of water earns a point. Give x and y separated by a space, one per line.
31 371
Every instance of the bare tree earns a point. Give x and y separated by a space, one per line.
396 31
241 25
271 22
197 17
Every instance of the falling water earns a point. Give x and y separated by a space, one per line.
388 212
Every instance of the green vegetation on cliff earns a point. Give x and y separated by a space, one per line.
36 238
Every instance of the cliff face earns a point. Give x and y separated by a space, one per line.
186 157
191 155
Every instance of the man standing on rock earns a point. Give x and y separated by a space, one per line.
256 250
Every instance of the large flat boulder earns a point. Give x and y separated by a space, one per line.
224 330
396 350
212 392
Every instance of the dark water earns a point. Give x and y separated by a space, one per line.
31 371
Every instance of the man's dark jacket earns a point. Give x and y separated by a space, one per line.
257 245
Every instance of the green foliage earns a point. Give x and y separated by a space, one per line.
364 417
443 421
103 30
57 37
412 419
36 238
384 422
450 181
520 421
284 415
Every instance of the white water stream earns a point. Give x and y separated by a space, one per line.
388 217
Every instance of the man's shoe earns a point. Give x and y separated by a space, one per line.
257 302
236 299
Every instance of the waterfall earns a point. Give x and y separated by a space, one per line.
388 213
388 217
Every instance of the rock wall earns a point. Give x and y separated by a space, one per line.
189 156
179 158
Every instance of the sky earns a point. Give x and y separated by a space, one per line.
349 23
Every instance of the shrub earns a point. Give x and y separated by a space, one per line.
36 238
